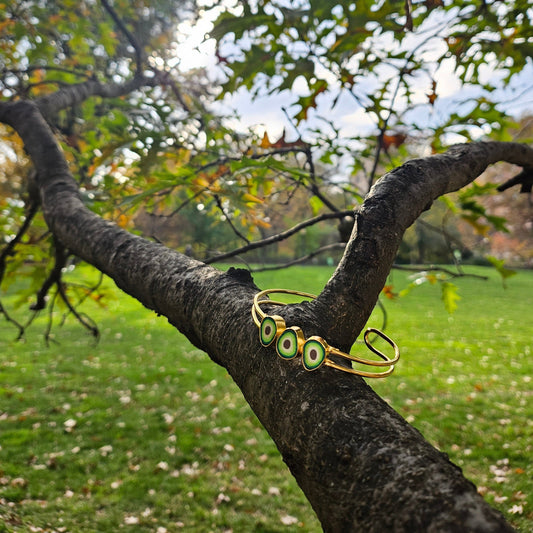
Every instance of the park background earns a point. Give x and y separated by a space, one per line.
142 431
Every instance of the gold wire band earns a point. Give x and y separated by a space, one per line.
315 351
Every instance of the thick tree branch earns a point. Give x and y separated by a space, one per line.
392 205
361 466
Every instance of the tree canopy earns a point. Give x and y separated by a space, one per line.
105 131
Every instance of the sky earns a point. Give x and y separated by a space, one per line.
266 113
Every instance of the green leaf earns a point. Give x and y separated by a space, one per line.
449 296
316 205
499 265
238 25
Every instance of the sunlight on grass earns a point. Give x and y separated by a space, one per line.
144 432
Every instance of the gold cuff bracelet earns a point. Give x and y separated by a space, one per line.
315 351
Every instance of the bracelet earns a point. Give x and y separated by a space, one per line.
315 351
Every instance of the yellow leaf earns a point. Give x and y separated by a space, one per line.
247 197
123 220
201 181
479 227
267 187
265 143
262 223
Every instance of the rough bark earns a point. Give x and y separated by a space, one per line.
362 467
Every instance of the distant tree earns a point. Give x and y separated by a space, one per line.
110 123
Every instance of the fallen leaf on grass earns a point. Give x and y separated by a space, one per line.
69 425
131 520
288 520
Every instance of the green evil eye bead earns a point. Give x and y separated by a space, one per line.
290 342
314 353
271 327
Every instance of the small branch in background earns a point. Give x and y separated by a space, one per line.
228 220
80 71
88 289
131 38
82 318
7 251
11 320
306 150
314 186
408 15
59 83
10 246
166 79
291 121
433 268
54 278
48 330
327 248
448 237
278 237
524 179
27 325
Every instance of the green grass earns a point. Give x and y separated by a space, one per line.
142 432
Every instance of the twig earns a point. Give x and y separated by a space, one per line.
524 179
83 319
54 278
279 236
433 268
50 322
11 320
321 250
30 68
8 250
312 178
168 80
131 38
447 235
228 220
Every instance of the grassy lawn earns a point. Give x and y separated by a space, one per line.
142 432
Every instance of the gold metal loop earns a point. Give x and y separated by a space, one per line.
260 313
387 339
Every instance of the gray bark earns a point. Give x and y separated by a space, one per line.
362 467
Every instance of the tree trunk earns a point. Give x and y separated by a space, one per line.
362 467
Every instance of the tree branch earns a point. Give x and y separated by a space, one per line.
10 246
54 278
524 179
228 220
76 94
362 467
11 320
433 268
278 237
392 205
83 319
303 259
131 38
